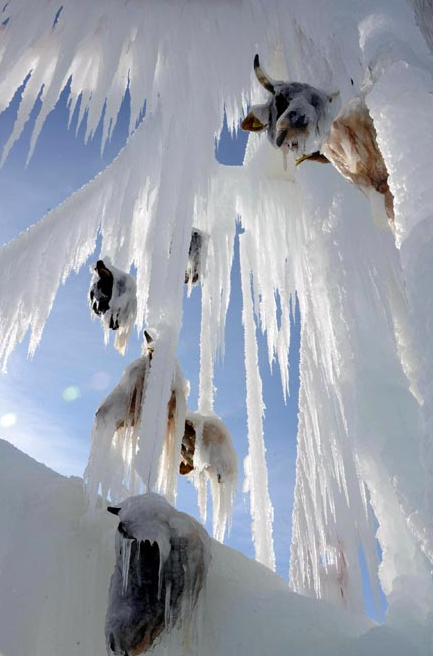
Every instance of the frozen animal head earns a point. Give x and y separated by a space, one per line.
101 289
207 446
293 111
162 557
196 258
113 297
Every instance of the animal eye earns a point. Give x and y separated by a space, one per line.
316 101
123 532
281 104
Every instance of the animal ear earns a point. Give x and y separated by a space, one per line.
264 79
113 510
252 124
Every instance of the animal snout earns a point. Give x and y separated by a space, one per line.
281 137
115 648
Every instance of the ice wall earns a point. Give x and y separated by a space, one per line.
364 442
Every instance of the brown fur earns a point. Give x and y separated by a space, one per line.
357 129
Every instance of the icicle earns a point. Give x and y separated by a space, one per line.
126 559
256 473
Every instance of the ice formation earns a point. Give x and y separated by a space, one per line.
366 401
116 430
162 557
208 450
113 297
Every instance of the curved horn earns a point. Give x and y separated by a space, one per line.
264 80
149 339
113 510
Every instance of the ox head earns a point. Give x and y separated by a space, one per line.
102 289
161 564
292 113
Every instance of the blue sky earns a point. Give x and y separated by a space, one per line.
47 404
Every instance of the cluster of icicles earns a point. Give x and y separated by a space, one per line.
195 444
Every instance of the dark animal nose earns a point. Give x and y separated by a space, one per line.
280 138
112 643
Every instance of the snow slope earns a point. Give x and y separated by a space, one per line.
56 565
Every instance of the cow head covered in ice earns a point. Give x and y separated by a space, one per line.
208 455
162 557
116 431
293 112
113 297
196 258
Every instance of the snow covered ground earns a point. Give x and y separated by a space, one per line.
55 570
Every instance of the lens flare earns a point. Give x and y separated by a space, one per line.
71 393
8 420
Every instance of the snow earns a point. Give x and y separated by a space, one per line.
66 581
364 465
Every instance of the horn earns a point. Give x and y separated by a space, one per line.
113 510
102 269
264 80
149 339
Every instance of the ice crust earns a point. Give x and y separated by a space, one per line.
366 401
